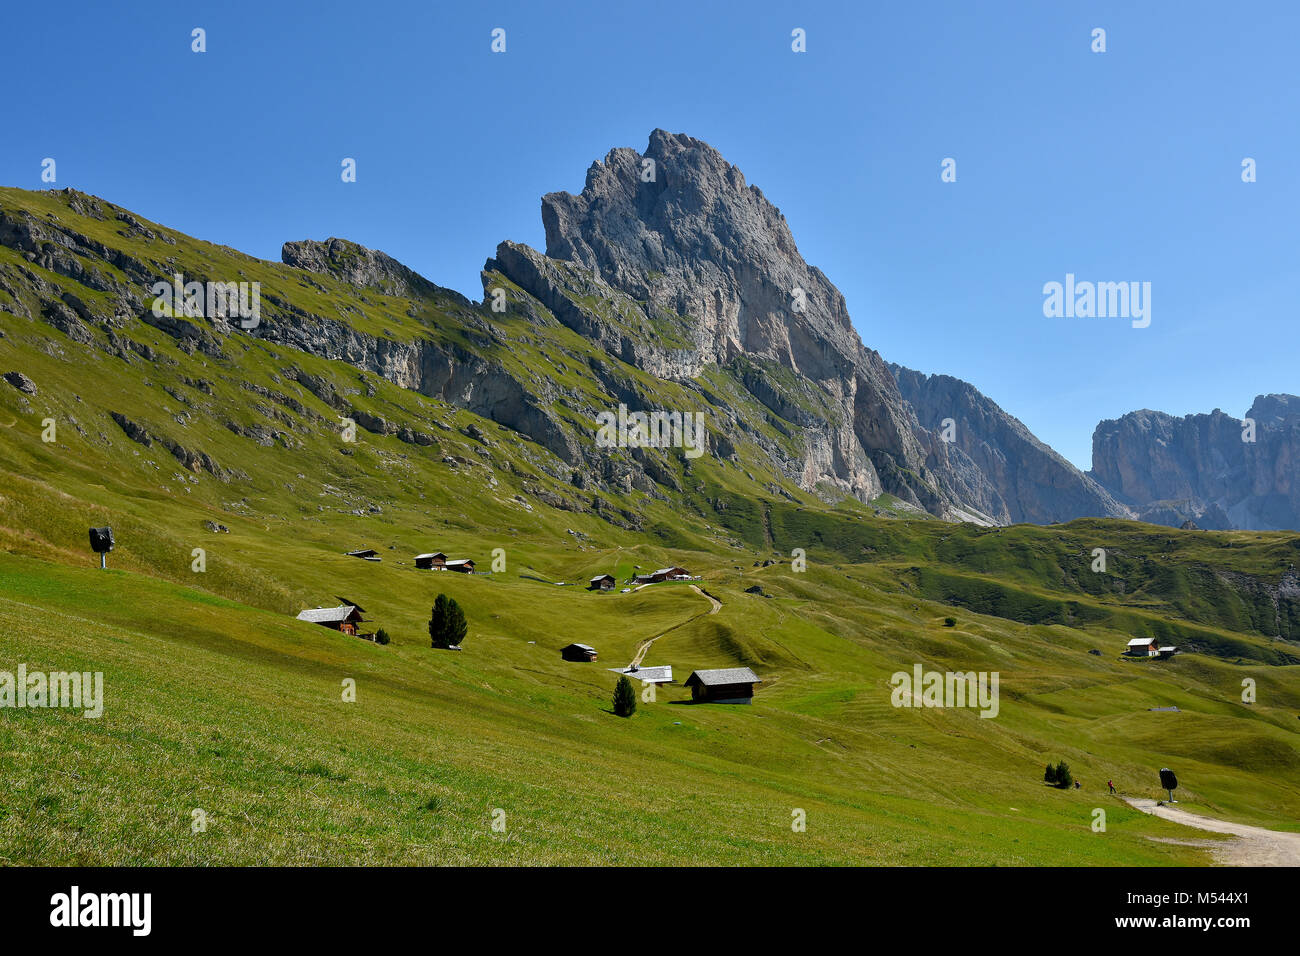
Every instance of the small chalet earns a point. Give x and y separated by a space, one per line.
427 562
578 652
463 565
1165 652
1142 647
365 554
602 582
728 685
664 574
344 618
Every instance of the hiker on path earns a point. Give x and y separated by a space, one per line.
1111 784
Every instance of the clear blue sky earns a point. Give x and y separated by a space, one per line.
1117 166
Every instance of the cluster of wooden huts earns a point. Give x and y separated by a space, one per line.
726 685
432 561
437 561
607 582
346 618
1148 647
665 574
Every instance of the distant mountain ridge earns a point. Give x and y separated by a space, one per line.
667 282
1206 468
1033 483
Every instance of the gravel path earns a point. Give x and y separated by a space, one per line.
1253 846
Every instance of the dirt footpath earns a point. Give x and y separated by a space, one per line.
715 606
1253 846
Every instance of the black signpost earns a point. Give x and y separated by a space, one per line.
101 542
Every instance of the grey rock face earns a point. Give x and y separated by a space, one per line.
1201 468
597 311
679 229
1025 480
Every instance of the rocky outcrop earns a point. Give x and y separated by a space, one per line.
630 330
194 460
1029 481
21 382
1206 468
363 268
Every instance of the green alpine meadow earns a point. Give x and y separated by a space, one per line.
272 461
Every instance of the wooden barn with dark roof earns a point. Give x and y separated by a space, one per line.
728 685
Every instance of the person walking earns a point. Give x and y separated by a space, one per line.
1111 784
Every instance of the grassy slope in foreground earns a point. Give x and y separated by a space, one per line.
239 712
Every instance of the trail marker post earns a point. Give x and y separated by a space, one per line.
101 542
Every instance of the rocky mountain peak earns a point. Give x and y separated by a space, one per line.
678 226
1270 410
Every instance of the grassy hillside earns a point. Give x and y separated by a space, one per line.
218 699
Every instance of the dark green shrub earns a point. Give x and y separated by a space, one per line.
447 625
457 627
1058 775
624 698
1063 777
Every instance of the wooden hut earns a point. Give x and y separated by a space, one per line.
463 565
728 685
344 618
601 582
430 561
1142 647
582 653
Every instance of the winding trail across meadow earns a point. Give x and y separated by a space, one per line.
1253 846
645 646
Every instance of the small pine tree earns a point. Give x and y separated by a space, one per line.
1063 776
438 622
381 636
457 627
624 698
1049 775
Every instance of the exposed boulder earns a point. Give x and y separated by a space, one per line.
21 382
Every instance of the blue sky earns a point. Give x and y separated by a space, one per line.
1115 166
